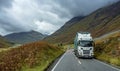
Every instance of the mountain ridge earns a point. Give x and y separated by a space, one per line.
4 43
68 24
98 23
25 37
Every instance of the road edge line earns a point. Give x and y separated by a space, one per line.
77 59
58 62
107 65
79 62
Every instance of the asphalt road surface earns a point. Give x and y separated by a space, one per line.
69 62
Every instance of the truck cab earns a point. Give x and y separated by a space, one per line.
84 45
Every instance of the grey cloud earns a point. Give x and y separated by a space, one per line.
25 15
83 7
5 3
10 25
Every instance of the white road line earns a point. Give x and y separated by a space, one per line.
58 62
107 65
77 59
79 62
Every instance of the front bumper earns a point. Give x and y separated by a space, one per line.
86 56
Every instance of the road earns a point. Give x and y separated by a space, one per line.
106 35
14 46
69 62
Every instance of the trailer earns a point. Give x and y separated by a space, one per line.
83 45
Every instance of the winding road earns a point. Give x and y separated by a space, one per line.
69 62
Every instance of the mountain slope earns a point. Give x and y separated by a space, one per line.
61 34
108 48
69 24
4 43
25 37
98 23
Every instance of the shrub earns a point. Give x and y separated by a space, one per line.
28 55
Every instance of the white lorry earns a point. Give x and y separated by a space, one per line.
83 45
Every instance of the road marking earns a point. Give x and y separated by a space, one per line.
79 62
77 59
107 65
58 62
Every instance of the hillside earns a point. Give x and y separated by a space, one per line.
68 24
4 43
100 22
25 37
108 49
29 57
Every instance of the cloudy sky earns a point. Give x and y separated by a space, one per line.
45 16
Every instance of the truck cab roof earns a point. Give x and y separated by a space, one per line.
84 36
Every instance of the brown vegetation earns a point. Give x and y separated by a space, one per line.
28 55
109 49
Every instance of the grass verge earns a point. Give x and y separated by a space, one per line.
108 50
29 57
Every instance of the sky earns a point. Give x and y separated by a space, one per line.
44 16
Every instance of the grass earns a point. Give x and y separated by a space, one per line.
69 46
108 50
41 67
4 43
29 57
4 49
109 59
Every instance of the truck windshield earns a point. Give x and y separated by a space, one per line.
86 43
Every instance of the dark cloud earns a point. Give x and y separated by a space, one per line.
45 16
9 25
5 3
82 7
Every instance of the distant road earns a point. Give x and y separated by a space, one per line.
6 49
69 62
106 35
16 45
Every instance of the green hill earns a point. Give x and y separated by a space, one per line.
25 37
4 43
100 22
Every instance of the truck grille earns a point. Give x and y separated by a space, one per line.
86 51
